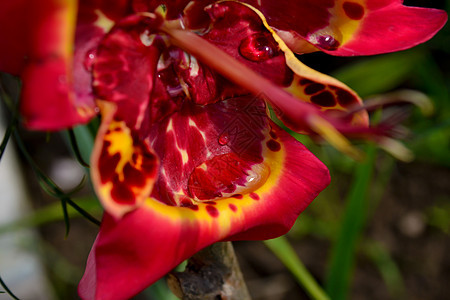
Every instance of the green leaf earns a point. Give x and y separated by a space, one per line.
159 290
354 219
284 251
379 74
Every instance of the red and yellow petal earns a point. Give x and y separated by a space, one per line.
243 32
133 252
311 86
123 168
387 27
351 27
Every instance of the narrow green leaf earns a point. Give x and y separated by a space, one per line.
6 137
55 190
52 213
13 122
353 222
284 251
76 149
7 290
387 267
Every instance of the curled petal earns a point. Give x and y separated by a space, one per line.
133 252
351 27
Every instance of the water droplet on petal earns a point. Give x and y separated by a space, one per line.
256 177
258 47
224 138
90 59
328 42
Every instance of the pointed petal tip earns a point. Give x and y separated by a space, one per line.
396 149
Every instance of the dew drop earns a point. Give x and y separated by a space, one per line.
258 47
224 138
328 42
89 59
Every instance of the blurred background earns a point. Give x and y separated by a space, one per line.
379 231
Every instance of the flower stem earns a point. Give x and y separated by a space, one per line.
212 273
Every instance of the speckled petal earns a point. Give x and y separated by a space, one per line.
351 27
133 252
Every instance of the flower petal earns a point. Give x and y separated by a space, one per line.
125 67
133 252
233 25
351 27
242 32
123 169
38 47
94 20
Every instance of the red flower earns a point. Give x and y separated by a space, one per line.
186 155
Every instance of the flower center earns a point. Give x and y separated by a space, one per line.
213 151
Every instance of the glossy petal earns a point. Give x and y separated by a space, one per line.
242 32
392 27
132 253
94 20
351 27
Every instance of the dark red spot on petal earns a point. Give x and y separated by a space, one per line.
193 207
232 207
354 11
273 135
345 98
325 98
254 196
212 211
237 196
211 202
122 194
133 176
305 81
107 165
185 201
273 145
314 88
